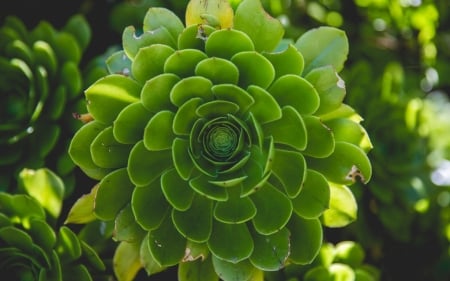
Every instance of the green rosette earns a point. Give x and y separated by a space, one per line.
32 246
223 151
40 87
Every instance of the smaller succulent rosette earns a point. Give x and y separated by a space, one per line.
40 87
31 248
220 147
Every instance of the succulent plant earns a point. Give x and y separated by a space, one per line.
218 146
31 246
40 87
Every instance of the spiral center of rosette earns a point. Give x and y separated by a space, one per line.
221 141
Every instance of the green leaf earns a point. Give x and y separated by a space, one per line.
107 152
146 259
142 161
346 129
182 158
230 271
191 87
183 62
186 116
343 207
230 242
329 86
128 128
149 62
80 152
234 94
78 26
68 245
271 251
196 222
166 244
216 108
347 163
254 69
265 31
202 184
158 134
118 63
46 187
314 197
149 205
320 138
288 61
109 95
265 108
82 211
290 169
219 71
157 17
350 252
132 42
125 226
330 47
267 199
194 36
235 210
156 92
115 187
176 190
306 239
289 130
295 91
198 270
225 43
126 261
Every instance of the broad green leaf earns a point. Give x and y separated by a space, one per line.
303 230
202 185
82 211
226 43
126 261
146 259
157 17
330 47
216 108
343 207
288 61
254 69
290 169
107 152
191 87
142 161
265 31
166 244
46 187
219 71
149 62
125 226
118 63
196 222
149 205
80 152
329 86
295 91
128 128
15 237
182 158
198 270
234 94
132 42
109 95
342 272
289 129
350 252
346 129
345 165
271 251
183 62
267 199
320 138
217 13
194 37
115 187
265 108
68 245
318 273
314 197
156 92
230 271
230 242
158 134
235 210
186 116
176 190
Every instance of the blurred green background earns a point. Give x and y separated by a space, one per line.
397 77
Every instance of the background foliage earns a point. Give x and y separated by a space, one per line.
397 78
